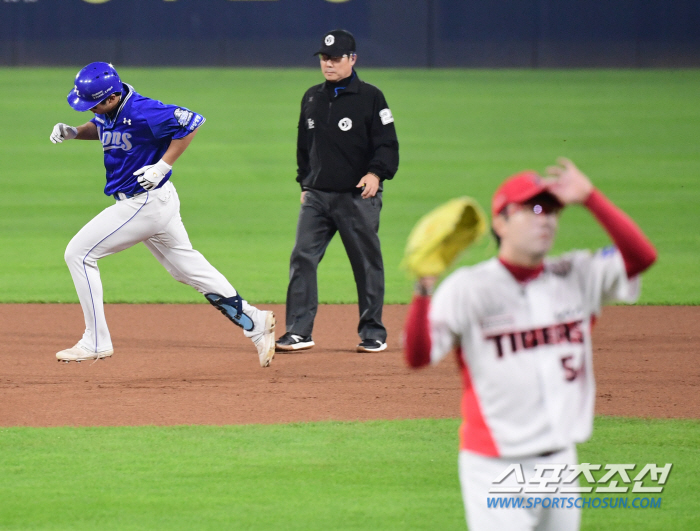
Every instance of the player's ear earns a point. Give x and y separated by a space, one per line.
498 226
353 59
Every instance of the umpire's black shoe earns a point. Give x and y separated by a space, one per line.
290 342
371 345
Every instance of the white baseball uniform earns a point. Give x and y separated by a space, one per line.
136 136
154 219
527 366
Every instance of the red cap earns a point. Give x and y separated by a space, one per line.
518 189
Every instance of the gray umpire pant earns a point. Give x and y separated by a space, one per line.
357 221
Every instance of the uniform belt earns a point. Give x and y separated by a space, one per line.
552 452
119 196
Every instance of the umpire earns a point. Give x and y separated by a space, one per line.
346 149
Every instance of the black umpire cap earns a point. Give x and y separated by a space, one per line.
337 43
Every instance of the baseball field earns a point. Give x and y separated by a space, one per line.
181 429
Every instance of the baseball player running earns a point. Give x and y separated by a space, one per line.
521 326
141 139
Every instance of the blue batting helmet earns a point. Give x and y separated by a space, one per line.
92 85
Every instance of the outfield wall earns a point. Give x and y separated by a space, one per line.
405 33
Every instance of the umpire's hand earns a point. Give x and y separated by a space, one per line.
369 184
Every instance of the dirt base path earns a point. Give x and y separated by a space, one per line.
185 364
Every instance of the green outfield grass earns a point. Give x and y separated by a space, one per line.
461 132
370 475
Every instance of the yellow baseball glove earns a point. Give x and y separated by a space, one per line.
441 235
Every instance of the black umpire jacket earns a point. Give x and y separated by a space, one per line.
341 139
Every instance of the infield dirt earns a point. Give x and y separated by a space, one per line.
186 364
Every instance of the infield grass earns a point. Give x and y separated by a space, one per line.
461 132
332 475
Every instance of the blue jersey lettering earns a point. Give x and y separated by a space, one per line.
116 140
138 135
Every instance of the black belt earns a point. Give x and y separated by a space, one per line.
121 195
547 454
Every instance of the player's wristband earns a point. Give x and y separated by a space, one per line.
69 132
162 167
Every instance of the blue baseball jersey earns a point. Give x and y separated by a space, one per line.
138 135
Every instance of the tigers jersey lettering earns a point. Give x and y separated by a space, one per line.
527 346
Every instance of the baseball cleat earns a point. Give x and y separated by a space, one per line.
371 345
79 353
264 339
290 342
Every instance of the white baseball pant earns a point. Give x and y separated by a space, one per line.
154 219
476 474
